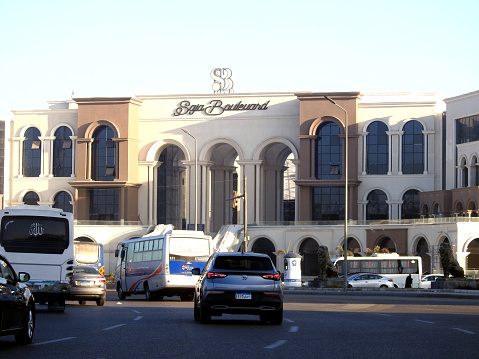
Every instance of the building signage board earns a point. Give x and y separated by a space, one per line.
216 107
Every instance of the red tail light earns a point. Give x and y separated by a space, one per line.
390 280
271 276
212 275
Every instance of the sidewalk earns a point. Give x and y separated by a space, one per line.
433 293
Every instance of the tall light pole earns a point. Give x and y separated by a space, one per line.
196 176
345 263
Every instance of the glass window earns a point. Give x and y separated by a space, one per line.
104 154
377 208
63 201
328 203
467 129
410 205
62 152
104 204
32 153
27 234
413 148
328 152
377 148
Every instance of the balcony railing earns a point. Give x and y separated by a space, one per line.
384 222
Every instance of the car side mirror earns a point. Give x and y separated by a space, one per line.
196 271
24 277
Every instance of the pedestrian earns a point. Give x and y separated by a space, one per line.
408 281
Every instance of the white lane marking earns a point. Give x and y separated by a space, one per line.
464 331
113 327
276 344
424 321
384 315
136 311
293 329
138 317
54 341
288 320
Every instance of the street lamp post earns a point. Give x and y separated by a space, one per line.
196 176
345 263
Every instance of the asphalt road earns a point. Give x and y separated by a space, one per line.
315 326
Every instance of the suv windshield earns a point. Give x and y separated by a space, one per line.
242 263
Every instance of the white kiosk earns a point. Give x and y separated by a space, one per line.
292 270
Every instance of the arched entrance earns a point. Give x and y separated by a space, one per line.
170 188
388 244
309 250
353 247
422 250
264 245
472 260
226 181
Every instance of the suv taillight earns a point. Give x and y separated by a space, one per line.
212 275
271 276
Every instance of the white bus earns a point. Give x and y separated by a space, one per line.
390 265
39 240
161 265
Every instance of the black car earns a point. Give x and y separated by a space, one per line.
17 306
239 283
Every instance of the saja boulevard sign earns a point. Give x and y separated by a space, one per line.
216 107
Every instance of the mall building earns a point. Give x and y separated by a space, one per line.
275 161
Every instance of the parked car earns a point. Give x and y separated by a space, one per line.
17 305
369 280
239 283
427 279
87 284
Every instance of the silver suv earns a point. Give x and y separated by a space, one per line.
239 283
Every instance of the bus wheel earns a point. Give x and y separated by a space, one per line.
147 292
82 302
121 294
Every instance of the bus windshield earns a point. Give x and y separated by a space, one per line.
28 234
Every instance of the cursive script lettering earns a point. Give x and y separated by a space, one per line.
216 107
36 229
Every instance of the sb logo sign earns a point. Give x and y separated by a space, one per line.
222 80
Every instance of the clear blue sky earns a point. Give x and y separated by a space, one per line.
122 48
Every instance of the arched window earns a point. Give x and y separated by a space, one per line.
62 152
31 198
104 154
309 250
474 172
464 173
32 153
264 245
63 201
410 204
413 148
328 152
377 149
377 208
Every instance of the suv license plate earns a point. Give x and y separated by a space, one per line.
243 296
